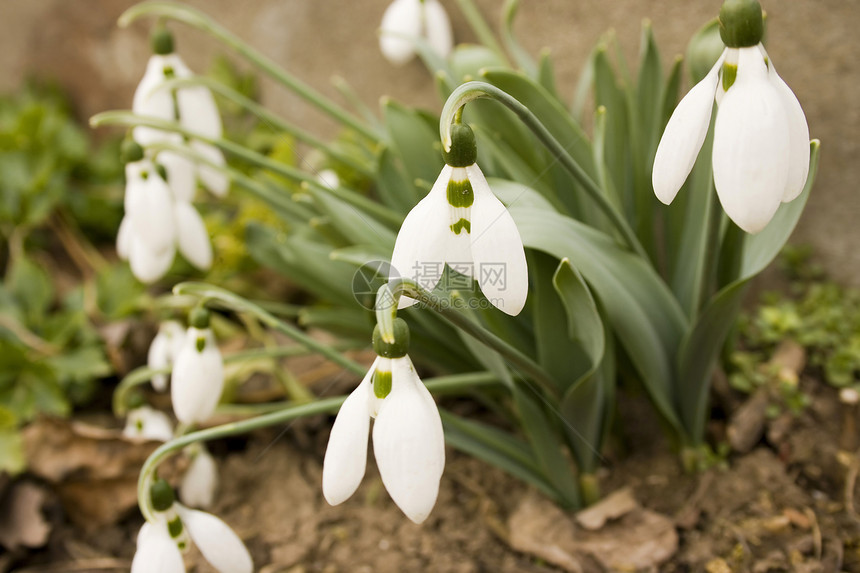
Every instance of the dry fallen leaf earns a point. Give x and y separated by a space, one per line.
21 521
612 506
638 539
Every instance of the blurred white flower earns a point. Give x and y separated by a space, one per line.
145 423
761 138
163 351
200 481
405 20
408 441
198 377
160 544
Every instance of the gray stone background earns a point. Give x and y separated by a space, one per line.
815 45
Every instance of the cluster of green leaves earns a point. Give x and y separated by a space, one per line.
818 314
56 188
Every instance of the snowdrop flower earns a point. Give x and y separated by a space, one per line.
407 19
462 224
329 178
761 138
160 544
145 423
198 372
156 222
163 351
193 106
408 442
200 481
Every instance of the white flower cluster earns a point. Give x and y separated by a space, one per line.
159 215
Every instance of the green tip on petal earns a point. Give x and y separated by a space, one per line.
396 349
381 383
161 41
464 150
741 23
162 495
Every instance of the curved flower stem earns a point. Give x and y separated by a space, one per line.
440 385
471 91
447 309
199 20
129 119
269 118
144 374
211 293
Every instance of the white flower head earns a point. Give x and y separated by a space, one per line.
160 544
761 138
198 372
193 106
145 423
461 223
200 480
407 19
408 441
163 351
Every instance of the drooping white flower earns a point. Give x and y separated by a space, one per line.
145 423
200 480
407 19
163 351
761 138
193 107
198 376
408 441
461 223
160 544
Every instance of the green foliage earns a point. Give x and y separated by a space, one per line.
818 314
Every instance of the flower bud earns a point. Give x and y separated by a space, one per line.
396 349
464 150
741 24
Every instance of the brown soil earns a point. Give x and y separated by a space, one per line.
780 507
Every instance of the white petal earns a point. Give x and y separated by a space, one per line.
219 544
423 245
175 334
151 101
346 454
198 378
213 179
683 138
438 27
152 214
401 18
200 481
751 150
181 174
156 552
192 236
158 357
409 444
497 249
145 423
123 238
329 178
798 136
147 265
198 112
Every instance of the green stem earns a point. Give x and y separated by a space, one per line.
447 310
144 374
238 304
270 119
441 385
199 20
471 91
129 119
